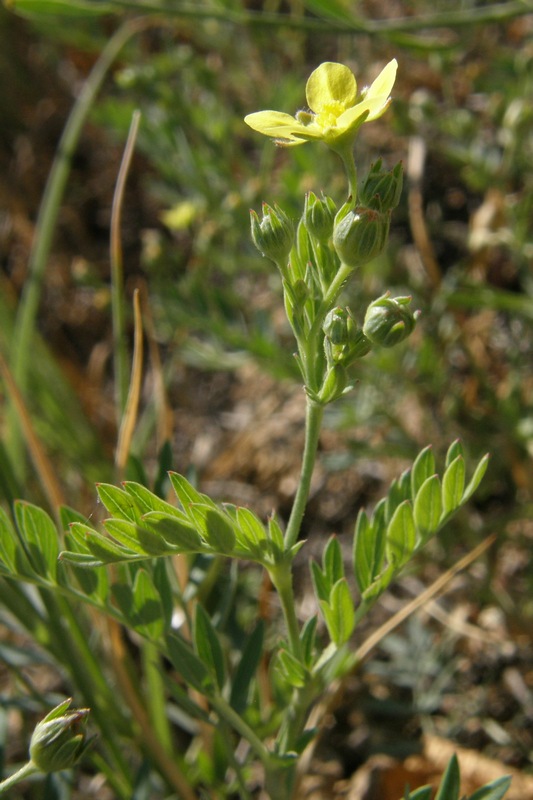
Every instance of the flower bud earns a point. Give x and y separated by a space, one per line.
388 320
273 235
59 739
381 190
319 216
360 235
345 341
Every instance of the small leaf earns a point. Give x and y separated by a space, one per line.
308 640
176 532
187 494
454 450
424 793
292 670
476 479
339 613
332 562
275 534
40 537
401 535
106 551
494 790
146 501
400 490
141 540
192 669
215 527
147 612
450 783
246 669
369 546
453 484
423 468
118 502
9 543
208 645
428 507
321 583
252 528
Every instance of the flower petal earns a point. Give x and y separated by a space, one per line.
384 82
330 83
275 124
371 108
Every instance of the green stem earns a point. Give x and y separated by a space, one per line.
346 154
313 424
224 710
281 576
24 772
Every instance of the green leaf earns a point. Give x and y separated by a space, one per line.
251 526
308 640
494 790
187 494
93 582
246 669
332 562
68 515
428 507
401 535
291 670
118 502
193 671
208 645
215 527
476 479
9 544
450 784
40 538
423 468
149 617
104 550
453 484
339 613
176 532
275 534
64 8
321 584
454 450
369 547
139 539
146 501
423 793
400 490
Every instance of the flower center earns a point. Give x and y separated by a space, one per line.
329 113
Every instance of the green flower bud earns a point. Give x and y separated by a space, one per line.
382 190
345 341
273 235
360 235
336 326
59 739
388 320
319 216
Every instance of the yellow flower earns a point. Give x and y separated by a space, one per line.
336 109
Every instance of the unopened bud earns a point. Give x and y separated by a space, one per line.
345 341
381 189
59 739
388 320
319 216
273 235
360 235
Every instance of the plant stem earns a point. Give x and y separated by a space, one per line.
223 708
313 422
24 772
346 154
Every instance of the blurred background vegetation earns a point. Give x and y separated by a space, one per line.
461 244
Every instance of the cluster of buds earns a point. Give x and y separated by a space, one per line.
273 234
344 343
